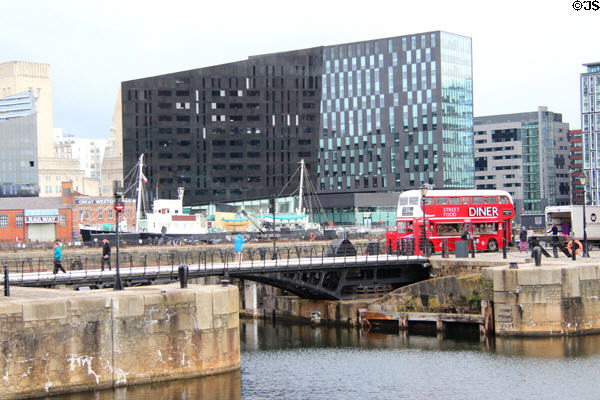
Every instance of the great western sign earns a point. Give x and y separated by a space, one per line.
483 211
42 219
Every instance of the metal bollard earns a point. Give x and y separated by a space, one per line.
504 248
6 282
554 250
397 246
183 271
445 248
472 248
537 255
573 251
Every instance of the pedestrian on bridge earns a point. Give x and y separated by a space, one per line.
238 247
58 258
523 240
105 254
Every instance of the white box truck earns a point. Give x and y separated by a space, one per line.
571 218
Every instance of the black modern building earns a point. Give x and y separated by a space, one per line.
383 115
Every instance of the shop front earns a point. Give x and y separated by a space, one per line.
42 224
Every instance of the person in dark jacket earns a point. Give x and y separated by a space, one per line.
466 235
58 258
523 240
106 254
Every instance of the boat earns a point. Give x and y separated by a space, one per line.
167 218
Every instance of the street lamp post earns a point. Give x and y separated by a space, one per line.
119 207
582 179
423 190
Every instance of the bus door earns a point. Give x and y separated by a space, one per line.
392 238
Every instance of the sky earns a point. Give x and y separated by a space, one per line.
526 53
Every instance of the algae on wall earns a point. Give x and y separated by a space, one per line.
450 294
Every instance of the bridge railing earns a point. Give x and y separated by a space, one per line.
224 257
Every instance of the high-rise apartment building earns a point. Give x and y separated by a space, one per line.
590 130
526 154
576 166
374 116
88 152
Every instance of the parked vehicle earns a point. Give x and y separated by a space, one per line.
570 218
486 214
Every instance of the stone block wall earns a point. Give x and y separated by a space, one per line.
448 294
547 300
343 312
101 339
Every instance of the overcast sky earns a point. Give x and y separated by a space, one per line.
525 53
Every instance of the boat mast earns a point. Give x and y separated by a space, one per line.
300 189
139 194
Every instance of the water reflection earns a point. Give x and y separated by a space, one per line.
217 387
291 361
270 335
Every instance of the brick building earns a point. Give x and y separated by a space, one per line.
35 219
95 212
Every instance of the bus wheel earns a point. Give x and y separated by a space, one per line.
492 245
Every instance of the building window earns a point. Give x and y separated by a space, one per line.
63 219
110 214
87 214
19 220
3 221
100 214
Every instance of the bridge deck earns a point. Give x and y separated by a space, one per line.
209 269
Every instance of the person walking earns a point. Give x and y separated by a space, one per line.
105 254
238 247
523 240
553 230
58 258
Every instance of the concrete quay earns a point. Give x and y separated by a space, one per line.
560 297
56 341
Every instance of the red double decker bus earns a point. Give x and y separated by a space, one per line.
486 214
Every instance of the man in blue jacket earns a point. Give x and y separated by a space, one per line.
58 258
238 243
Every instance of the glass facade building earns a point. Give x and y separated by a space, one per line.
526 154
397 113
374 116
19 152
590 130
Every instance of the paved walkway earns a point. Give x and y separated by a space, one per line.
525 258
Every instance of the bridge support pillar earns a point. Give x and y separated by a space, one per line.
440 326
403 322
251 299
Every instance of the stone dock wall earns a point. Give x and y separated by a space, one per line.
551 300
59 341
342 312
